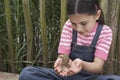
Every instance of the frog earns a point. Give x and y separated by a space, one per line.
65 61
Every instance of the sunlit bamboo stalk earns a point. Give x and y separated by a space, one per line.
44 31
9 31
29 29
63 13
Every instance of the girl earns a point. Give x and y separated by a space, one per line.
85 39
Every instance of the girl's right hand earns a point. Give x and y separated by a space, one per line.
57 65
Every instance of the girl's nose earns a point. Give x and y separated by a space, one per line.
79 27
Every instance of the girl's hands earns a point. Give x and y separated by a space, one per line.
62 65
75 67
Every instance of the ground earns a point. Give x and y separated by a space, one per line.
8 76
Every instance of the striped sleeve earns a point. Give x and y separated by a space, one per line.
66 39
104 43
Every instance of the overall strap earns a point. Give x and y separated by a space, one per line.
98 31
74 37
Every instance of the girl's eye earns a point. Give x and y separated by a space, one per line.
74 24
83 23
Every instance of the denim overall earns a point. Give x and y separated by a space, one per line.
85 53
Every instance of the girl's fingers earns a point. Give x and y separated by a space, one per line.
78 62
64 71
58 70
75 67
57 62
70 72
70 62
57 66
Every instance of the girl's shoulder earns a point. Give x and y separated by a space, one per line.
67 28
68 24
106 28
106 31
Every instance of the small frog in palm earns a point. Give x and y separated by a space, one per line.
65 61
65 64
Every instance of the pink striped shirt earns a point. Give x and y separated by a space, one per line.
102 46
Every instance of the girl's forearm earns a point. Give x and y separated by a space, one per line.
93 67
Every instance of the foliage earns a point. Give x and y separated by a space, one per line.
19 33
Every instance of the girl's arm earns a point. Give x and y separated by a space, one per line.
94 67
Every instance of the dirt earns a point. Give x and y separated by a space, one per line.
8 76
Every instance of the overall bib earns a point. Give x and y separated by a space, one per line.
85 53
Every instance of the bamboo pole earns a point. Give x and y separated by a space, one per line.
44 31
112 11
29 29
9 31
118 39
119 49
63 13
114 25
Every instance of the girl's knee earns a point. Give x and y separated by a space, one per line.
25 73
109 77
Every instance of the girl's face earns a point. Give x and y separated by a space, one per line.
83 23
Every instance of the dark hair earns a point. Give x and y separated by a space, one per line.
89 7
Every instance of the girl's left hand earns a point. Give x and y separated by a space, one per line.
76 67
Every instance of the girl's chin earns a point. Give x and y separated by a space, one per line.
83 33
80 31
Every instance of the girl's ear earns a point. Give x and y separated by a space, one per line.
98 14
